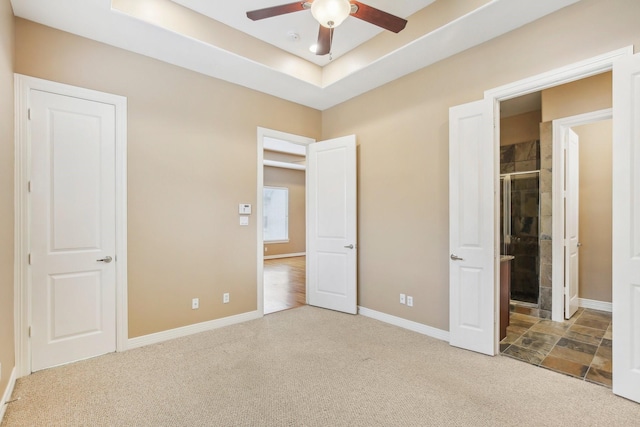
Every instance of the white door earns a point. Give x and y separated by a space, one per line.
626 228
571 249
73 306
472 194
331 224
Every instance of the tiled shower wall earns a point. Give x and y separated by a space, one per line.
546 151
521 157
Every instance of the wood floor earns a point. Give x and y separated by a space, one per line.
284 283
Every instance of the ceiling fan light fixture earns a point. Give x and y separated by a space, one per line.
330 13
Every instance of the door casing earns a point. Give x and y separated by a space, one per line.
22 285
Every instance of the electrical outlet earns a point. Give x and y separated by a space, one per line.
195 303
403 299
225 298
410 301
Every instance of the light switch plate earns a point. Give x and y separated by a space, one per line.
244 220
244 209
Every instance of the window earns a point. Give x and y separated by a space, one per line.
275 202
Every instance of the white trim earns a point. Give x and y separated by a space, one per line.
579 70
286 255
191 329
23 85
596 305
284 165
557 184
405 324
263 133
7 393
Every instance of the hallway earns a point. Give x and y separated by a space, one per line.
579 347
284 283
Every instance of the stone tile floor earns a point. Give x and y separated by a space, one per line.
579 347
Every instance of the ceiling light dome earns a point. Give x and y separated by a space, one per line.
330 13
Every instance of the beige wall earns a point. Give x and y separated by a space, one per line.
402 131
192 160
294 180
595 209
6 192
520 128
582 96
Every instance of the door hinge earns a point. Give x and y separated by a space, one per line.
28 113
29 186
29 331
29 259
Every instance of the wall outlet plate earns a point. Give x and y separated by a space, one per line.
403 299
225 298
195 303
410 301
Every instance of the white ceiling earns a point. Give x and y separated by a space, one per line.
96 20
349 35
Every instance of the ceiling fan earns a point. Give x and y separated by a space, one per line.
330 14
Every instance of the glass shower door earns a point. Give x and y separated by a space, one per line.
519 220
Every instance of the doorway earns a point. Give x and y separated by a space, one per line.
284 225
582 145
474 294
281 220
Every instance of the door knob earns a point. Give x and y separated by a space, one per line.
456 257
106 259
349 247
579 244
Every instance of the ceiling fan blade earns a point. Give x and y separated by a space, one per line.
379 18
324 40
269 12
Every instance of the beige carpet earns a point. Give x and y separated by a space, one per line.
310 367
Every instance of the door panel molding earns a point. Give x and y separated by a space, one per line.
22 288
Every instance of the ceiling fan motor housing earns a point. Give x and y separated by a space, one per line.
330 13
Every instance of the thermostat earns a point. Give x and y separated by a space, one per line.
244 209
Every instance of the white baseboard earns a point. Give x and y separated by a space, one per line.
595 305
285 255
190 330
7 393
406 324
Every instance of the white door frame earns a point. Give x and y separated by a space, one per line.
557 228
294 139
22 277
579 70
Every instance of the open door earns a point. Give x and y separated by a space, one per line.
571 249
331 224
472 262
626 228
